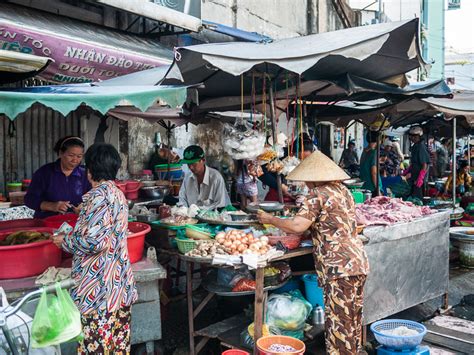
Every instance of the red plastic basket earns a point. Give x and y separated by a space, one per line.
288 241
18 261
56 221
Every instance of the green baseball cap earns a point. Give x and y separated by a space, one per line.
192 154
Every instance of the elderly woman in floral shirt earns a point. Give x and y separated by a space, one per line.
340 259
105 288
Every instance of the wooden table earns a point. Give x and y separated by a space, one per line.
259 303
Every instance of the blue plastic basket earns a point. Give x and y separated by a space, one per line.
396 342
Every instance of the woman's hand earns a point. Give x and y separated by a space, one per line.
264 218
58 207
77 209
58 240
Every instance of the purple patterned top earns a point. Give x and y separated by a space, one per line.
101 265
50 184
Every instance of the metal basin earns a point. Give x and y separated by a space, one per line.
155 192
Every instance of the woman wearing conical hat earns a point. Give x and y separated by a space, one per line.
340 259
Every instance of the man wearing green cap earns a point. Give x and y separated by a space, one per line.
205 187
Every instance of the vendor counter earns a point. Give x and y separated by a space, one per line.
146 317
409 265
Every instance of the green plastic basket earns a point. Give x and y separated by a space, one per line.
185 244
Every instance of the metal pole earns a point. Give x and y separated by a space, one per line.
469 150
454 162
274 135
377 181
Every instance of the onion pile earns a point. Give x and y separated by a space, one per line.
236 242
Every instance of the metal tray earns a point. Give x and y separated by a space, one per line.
210 285
229 223
190 221
265 206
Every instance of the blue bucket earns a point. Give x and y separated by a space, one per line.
314 293
292 284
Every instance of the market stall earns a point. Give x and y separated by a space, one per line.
407 247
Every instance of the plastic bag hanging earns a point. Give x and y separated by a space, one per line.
57 319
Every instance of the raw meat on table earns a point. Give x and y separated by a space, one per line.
384 210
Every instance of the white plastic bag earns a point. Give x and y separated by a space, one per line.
19 325
240 141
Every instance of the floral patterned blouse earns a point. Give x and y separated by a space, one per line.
338 251
101 265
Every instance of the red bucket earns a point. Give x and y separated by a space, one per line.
56 221
18 261
235 352
136 240
122 185
132 185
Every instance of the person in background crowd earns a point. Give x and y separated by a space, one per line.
391 163
368 164
205 186
463 179
245 183
396 148
58 187
105 288
432 150
349 157
443 158
419 162
340 259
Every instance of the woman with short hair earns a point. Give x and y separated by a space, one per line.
105 288
58 187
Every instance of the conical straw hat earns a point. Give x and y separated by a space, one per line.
317 168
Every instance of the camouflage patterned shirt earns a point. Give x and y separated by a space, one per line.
338 250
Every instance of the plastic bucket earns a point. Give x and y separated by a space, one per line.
314 294
292 284
235 352
265 342
136 240
175 171
132 185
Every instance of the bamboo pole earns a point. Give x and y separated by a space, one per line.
274 135
454 162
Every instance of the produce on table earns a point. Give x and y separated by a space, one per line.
179 220
244 285
24 237
270 271
207 249
400 331
238 242
280 348
384 210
